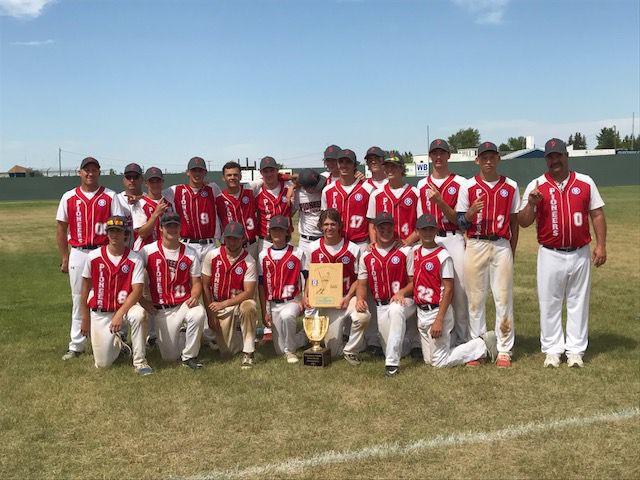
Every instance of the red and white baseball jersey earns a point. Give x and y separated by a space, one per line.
112 277
449 189
280 271
387 271
377 184
87 214
430 266
347 253
141 212
170 272
228 274
330 179
197 210
269 205
562 215
352 203
401 203
240 208
500 201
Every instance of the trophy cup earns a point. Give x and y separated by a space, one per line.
316 326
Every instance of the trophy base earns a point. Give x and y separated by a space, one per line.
316 358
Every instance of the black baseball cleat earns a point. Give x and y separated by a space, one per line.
391 370
192 363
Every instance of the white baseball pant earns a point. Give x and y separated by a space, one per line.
238 327
487 263
284 316
338 318
392 323
454 243
106 345
442 355
77 260
169 321
564 275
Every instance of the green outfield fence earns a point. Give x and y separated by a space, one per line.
606 170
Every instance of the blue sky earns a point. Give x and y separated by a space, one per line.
158 82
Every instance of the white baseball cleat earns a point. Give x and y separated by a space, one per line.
574 360
552 360
70 355
291 357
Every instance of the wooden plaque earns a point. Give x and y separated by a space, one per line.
325 285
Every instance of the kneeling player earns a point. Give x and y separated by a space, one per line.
433 291
175 287
386 269
279 270
114 275
229 283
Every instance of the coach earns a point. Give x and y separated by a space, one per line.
560 202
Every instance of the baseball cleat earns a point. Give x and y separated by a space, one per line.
552 360
291 357
70 355
125 349
473 363
574 360
151 343
192 363
503 361
247 361
352 359
391 370
144 370
491 342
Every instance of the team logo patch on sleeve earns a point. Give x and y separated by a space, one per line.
245 200
125 269
395 260
358 197
428 266
504 193
102 202
204 193
575 190
345 260
452 190
183 266
408 202
291 265
239 270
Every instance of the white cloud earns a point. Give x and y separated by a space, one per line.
486 12
33 43
23 8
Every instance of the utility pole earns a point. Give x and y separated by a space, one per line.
59 161
633 131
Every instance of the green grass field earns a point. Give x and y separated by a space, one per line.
69 420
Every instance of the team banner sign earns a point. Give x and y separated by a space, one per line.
325 285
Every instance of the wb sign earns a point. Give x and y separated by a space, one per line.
422 169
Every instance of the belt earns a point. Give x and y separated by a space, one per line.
87 247
165 307
101 311
282 300
382 302
204 241
491 238
444 233
427 306
561 249
309 237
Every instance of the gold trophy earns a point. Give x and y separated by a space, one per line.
316 327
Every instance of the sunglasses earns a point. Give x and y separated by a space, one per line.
134 176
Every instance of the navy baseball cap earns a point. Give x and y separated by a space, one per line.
347 153
332 152
153 172
383 217
279 221
426 221
377 151
441 144
233 229
168 218
197 162
116 222
309 178
86 161
555 145
268 162
487 147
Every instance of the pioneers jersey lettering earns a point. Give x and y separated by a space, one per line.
227 278
88 218
494 218
269 206
352 208
449 191
111 283
241 209
402 209
281 277
344 256
387 274
427 280
165 288
197 211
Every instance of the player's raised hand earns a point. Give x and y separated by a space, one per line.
477 205
161 208
433 194
535 196
131 198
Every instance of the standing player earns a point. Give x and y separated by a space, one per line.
331 154
487 208
561 202
433 286
81 223
280 268
148 210
175 288
307 201
229 282
114 276
132 181
438 197
375 163
385 269
236 203
332 248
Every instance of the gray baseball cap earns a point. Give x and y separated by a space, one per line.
279 221
383 217
487 147
153 172
426 221
347 153
133 168
168 218
233 229
441 144
86 161
268 162
555 145
377 151
197 162
332 152
309 178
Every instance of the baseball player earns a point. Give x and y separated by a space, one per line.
132 181
236 203
487 208
397 198
229 281
331 154
147 211
307 200
385 269
81 223
333 248
375 163
561 202
438 197
112 282
433 286
175 287
280 268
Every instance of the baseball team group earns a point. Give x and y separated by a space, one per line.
193 264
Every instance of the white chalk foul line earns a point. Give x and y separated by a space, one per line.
297 465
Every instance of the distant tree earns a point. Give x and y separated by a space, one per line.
578 141
608 138
513 144
630 143
465 138
112 171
